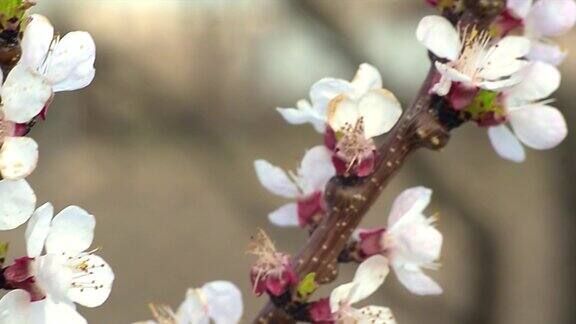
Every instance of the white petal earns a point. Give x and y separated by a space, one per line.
295 116
72 231
36 41
224 301
24 94
504 59
520 8
442 87
451 73
55 275
48 311
551 18
38 229
340 295
546 51
539 80
304 113
369 277
285 216
499 85
325 90
506 144
367 77
100 276
17 202
342 111
316 169
416 241
417 282
275 179
376 315
381 110
410 201
71 63
439 36
15 307
539 127
192 310
18 157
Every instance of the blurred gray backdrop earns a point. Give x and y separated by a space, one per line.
160 149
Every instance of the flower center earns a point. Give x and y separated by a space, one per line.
353 146
475 51
83 269
270 262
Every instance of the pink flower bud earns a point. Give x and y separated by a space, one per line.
461 95
274 279
273 271
371 241
20 276
309 208
362 168
320 312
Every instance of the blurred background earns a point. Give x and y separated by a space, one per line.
160 149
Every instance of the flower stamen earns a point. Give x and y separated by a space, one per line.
163 314
353 147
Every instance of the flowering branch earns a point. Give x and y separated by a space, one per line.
425 124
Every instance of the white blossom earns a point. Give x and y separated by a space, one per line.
357 117
306 185
322 92
534 123
219 301
474 59
67 273
543 19
48 64
411 242
16 308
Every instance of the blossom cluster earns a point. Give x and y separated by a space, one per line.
504 74
59 269
350 115
493 76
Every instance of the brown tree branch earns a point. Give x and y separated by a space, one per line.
426 123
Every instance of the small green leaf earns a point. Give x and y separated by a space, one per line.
10 9
484 102
3 251
307 285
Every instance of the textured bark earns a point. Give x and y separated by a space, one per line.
426 123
